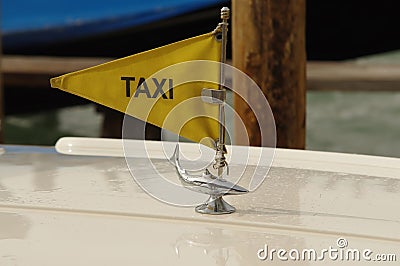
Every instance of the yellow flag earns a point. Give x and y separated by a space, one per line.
147 87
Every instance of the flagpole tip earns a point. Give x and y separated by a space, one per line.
225 13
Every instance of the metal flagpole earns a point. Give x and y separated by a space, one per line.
214 185
220 160
216 204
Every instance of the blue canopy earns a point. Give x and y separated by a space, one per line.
43 21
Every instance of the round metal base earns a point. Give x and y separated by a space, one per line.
215 205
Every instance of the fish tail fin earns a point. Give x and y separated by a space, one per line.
175 156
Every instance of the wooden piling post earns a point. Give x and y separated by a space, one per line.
268 44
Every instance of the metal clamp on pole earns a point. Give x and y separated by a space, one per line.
213 96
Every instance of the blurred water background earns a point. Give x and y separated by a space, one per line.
354 122
351 122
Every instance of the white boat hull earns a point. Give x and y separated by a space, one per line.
58 209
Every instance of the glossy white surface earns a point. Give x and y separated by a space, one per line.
86 210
